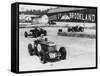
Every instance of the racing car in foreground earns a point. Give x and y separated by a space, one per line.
36 32
47 51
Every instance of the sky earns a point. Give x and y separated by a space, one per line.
33 7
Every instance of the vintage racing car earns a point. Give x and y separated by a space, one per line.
36 32
47 51
75 29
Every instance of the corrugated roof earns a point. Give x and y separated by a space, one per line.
63 9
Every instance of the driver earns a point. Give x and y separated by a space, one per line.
38 39
41 37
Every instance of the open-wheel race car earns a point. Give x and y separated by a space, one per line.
36 32
47 51
75 29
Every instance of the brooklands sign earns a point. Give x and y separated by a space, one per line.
73 17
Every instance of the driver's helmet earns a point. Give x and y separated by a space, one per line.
42 35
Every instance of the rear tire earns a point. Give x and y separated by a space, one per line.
25 34
68 29
30 49
63 53
45 33
43 61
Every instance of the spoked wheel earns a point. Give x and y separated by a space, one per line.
63 53
39 48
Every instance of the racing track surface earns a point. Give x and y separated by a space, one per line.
80 51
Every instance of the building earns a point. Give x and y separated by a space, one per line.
42 19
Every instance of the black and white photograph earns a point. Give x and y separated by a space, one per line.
56 37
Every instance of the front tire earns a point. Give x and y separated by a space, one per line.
63 53
42 58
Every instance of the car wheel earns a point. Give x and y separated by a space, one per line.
46 39
82 29
68 30
63 53
60 30
30 49
25 34
45 33
42 58
43 61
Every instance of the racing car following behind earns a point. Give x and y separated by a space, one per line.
47 51
75 29
36 32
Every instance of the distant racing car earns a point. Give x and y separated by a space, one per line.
75 29
47 51
36 32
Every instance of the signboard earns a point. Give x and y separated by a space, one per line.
73 16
